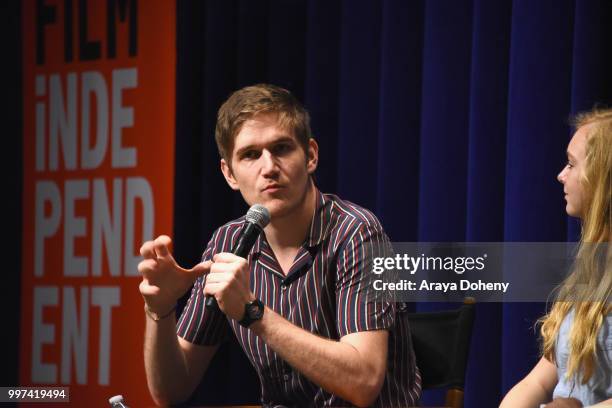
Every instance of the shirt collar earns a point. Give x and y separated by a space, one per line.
320 225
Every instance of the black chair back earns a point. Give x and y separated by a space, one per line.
441 343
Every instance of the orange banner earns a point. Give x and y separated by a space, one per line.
99 124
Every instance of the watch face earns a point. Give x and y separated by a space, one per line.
254 311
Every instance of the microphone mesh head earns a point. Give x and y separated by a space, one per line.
258 215
116 399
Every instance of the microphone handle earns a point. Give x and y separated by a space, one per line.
247 239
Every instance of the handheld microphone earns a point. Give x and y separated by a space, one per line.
257 218
117 402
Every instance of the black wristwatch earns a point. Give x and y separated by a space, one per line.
253 311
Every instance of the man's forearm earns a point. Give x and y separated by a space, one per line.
165 365
337 367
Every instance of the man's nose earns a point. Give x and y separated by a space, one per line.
268 163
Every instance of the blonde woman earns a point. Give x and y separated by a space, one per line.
576 367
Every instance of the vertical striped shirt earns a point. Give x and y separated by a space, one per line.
327 291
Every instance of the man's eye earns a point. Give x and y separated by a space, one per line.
569 165
249 154
282 148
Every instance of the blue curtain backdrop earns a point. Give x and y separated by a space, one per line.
448 119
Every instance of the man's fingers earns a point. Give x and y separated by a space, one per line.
210 289
226 257
218 267
146 250
213 288
219 277
158 248
146 289
145 267
161 246
201 269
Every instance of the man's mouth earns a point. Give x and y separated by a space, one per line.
272 188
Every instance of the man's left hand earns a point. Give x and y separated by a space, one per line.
229 282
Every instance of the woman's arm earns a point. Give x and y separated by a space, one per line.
536 388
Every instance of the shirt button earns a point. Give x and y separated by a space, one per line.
286 377
284 287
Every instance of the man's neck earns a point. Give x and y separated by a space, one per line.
290 231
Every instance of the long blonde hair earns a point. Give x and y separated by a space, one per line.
587 289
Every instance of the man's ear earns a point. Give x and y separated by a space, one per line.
313 156
229 176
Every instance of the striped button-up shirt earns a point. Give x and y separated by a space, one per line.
326 291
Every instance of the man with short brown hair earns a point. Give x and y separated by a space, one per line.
315 339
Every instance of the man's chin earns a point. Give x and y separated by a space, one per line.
278 208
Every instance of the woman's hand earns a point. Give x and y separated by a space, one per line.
564 403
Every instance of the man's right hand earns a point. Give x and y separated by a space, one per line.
163 280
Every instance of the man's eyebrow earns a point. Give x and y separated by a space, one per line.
283 139
244 149
570 155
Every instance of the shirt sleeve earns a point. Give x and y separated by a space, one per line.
199 324
359 306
